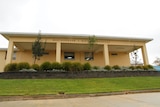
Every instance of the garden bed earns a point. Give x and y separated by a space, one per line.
82 74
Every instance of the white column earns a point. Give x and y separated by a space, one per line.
144 54
10 52
58 52
106 54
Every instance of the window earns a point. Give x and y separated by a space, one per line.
14 55
89 56
69 55
5 55
114 54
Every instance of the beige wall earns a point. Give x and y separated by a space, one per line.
2 60
23 56
26 56
121 59
77 45
79 57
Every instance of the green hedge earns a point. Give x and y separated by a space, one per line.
23 65
45 66
76 66
56 65
87 66
35 67
68 66
107 67
131 67
12 67
116 67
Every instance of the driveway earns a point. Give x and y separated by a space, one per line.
128 100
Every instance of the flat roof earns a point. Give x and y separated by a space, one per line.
3 49
24 34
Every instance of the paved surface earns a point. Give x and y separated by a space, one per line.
129 100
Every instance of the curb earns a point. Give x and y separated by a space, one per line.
65 96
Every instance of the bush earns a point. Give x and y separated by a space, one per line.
12 67
139 67
87 66
23 65
145 67
56 65
35 67
107 67
67 66
116 67
45 66
96 67
132 67
150 67
76 66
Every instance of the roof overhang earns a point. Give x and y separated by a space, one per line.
7 35
76 47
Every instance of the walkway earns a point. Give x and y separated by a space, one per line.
129 100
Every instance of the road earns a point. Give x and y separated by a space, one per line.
128 100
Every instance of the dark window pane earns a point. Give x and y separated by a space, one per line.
69 55
89 56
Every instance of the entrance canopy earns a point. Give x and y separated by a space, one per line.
77 43
77 47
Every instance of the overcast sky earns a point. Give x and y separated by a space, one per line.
127 18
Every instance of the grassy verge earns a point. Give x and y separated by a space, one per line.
76 86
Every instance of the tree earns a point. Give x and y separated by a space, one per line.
135 58
91 43
37 48
157 61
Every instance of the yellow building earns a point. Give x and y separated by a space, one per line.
68 47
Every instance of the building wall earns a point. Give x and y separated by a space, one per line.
121 59
80 57
2 60
23 56
26 56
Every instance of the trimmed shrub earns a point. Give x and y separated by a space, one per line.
96 67
145 67
116 67
150 67
23 65
67 66
45 66
76 66
139 67
132 67
56 65
35 67
107 67
12 67
87 66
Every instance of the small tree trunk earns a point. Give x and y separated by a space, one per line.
35 58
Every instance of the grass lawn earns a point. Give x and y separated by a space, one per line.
76 86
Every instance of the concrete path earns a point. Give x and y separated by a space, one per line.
129 100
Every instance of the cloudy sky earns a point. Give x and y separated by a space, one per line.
127 18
